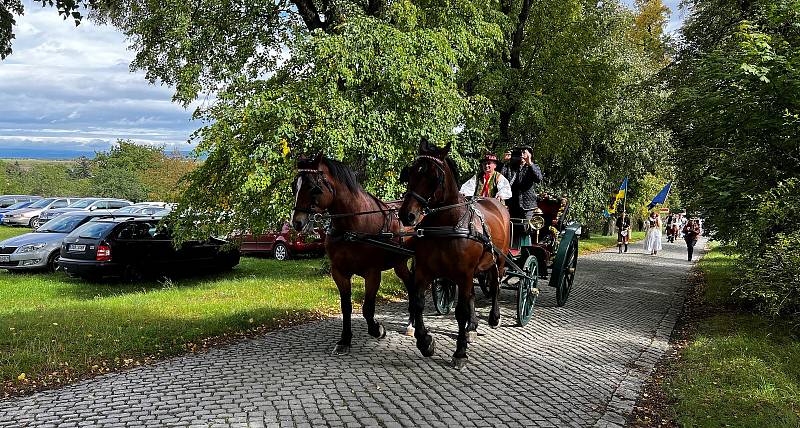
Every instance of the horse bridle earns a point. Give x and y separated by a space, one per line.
425 202
317 183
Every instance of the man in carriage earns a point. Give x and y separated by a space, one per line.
488 182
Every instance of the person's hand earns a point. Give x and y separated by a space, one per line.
507 156
526 157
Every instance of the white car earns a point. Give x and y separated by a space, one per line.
98 205
29 216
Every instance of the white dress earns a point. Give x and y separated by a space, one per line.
652 241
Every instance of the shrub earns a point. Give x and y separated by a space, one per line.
772 281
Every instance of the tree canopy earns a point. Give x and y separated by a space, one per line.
363 81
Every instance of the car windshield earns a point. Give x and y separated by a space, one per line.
93 230
82 203
41 203
127 210
19 205
62 224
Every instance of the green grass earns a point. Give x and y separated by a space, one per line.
599 242
10 232
50 323
739 369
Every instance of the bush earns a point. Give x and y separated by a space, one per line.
772 281
771 262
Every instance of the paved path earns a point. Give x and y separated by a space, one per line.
579 365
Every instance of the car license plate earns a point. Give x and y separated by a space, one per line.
76 247
5 259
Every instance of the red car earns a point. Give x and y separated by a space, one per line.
284 244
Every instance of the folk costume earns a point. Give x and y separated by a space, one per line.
652 241
623 232
487 185
524 197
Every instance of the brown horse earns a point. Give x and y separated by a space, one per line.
328 186
460 239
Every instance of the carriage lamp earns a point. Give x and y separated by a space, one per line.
536 223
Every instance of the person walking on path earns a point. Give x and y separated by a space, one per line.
623 231
690 233
652 241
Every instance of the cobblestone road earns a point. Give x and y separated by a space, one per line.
580 365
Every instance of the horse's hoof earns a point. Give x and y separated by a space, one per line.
493 323
459 363
471 336
341 349
410 330
427 346
380 332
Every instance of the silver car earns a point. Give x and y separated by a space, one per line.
40 249
29 215
104 205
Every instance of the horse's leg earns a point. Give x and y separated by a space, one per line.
472 326
402 272
463 315
494 290
372 280
416 306
344 284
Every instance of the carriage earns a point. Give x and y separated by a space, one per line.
543 248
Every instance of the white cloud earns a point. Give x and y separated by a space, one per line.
67 86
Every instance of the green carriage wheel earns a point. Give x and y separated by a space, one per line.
527 290
566 272
444 295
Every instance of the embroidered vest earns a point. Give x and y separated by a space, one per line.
479 183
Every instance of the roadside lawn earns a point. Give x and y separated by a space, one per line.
599 242
738 369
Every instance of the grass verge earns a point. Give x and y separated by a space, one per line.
10 232
55 330
736 368
600 242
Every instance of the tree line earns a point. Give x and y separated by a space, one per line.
127 171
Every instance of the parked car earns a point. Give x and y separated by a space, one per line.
29 215
140 210
100 205
41 248
133 248
8 200
283 244
16 206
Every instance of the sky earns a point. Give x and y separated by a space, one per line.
68 90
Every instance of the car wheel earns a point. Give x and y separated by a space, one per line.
281 252
34 223
52 262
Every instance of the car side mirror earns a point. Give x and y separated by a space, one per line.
92 208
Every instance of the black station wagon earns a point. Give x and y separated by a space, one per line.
134 248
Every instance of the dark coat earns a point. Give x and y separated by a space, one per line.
523 191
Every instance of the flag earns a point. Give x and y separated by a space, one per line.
623 189
661 197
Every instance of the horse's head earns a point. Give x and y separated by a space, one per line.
313 191
426 179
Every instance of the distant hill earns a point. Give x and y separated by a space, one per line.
49 154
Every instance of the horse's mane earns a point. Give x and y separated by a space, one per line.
453 167
339 172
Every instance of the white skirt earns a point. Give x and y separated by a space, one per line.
652 241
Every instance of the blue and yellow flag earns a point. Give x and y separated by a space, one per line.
623 189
